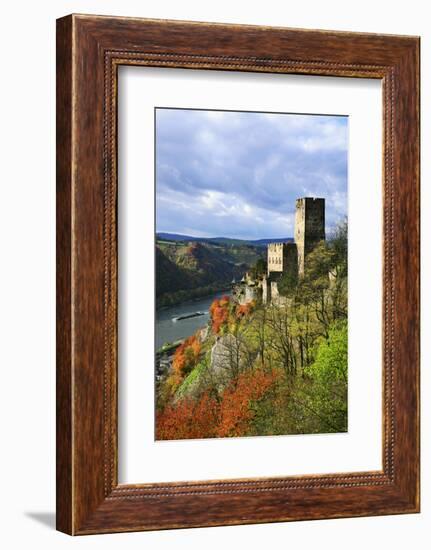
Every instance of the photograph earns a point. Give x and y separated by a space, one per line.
251 273
215 275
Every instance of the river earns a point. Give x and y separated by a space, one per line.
168 330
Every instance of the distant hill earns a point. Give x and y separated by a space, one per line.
189 269
221 240
264 242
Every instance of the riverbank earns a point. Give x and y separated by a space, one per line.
168 330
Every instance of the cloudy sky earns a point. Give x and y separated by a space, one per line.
238 174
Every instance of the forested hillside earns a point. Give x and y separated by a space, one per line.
187 270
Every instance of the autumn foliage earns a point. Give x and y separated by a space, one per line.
188 419
235 410
186 356
244 310
227 416
219 313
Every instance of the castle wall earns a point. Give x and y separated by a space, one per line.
250 294
266 292
274 291
282 258
276 297
275 258
244 293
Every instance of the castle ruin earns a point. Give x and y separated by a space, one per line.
291 257
286 257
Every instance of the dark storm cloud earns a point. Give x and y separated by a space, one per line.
238 174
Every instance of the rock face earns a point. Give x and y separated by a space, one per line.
204 333
229 356
216 372
223 354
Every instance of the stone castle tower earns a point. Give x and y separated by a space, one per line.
287 257
309 227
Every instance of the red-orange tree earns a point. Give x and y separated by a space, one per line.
186 356
236 411
229 416
219 313
244 310
188 419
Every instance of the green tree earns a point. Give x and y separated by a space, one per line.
326 396
338 244
287 283
259 268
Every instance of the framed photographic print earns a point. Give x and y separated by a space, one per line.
237 274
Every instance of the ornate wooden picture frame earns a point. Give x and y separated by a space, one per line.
89 51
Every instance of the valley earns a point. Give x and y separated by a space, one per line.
194 269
